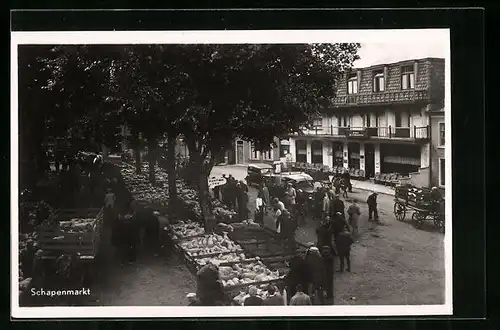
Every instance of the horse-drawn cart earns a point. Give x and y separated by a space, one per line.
420 203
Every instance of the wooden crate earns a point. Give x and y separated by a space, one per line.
53 240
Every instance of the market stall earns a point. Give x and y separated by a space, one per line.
239 264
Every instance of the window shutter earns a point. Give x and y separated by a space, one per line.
385 77
359 79
415 71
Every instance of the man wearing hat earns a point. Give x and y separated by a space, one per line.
372 207
316 268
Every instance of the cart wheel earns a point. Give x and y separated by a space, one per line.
438 221
399 211
419 218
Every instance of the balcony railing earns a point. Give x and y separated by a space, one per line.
410 133
382 98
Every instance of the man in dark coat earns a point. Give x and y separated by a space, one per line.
232 192
298 274
316 268
337 206
242 204
216 191
209 287
339 224
372 207
343 241
325 243
223 190
347 179
287 227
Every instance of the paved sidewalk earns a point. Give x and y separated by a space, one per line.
370 186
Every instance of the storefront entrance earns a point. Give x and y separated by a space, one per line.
369 160
353 155
337 154
403 159
239 152
317 152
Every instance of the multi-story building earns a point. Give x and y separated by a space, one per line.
380 122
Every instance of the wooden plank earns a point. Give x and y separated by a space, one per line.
213 254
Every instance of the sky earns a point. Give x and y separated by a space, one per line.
381 53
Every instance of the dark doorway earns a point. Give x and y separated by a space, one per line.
239 152
317 152
338 154
369 160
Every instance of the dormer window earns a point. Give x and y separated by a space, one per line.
378 81
407 77
352 84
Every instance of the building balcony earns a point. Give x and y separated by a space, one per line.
397 97
364 133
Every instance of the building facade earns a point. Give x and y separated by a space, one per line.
437 165
243 152
384 119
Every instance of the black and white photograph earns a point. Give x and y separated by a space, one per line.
214 173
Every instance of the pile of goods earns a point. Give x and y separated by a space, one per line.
235 268
414 195
209 244
245 223
224 214
222 259
141 189
184 229
77 225
246 274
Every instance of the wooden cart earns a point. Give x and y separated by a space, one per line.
419 202
83 246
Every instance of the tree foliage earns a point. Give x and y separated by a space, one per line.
210 94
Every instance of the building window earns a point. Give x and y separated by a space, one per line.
317 152
318 122
378 81
267 155
409 119
442 171
300 151
352 84
441 134
367 121
407 77
254 154
398 119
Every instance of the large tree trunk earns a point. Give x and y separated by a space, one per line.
205 203
152 146
206 206
171 170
